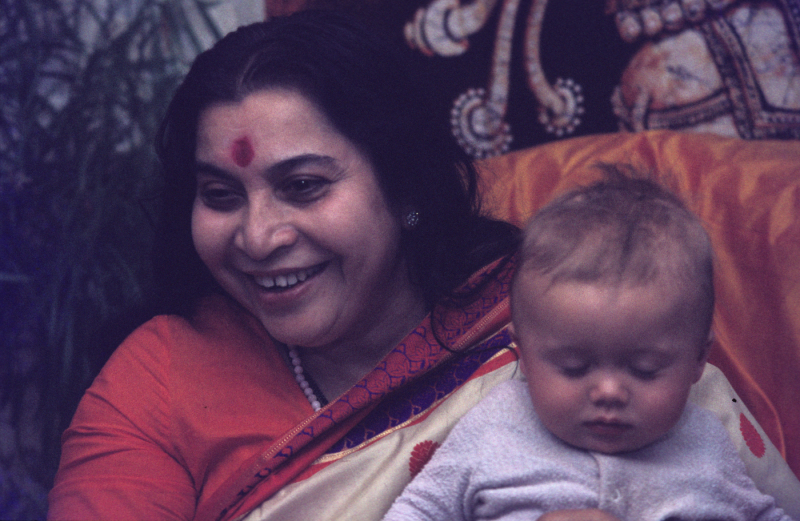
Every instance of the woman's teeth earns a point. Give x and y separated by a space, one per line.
288 280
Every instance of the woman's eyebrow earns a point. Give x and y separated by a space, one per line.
279 169
201 167
286 166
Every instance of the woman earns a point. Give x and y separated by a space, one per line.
336 301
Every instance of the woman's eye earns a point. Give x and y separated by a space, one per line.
304 189
219 197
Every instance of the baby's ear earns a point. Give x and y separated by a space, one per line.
515 339
512 332
705 348
707 345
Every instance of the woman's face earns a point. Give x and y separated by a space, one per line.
292 223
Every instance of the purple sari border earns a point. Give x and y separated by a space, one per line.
422 394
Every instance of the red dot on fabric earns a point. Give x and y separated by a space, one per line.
420 455
751 437
242 152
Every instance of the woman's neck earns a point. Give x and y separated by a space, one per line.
336 368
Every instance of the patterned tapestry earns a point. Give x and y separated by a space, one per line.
514 73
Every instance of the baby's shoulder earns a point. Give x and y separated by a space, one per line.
701 426
506 408
505 398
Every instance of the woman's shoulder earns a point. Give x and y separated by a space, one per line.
217 320
172 351
220 359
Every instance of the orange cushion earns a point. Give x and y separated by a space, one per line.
748 195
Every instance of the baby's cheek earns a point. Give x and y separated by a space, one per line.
663 406
556 401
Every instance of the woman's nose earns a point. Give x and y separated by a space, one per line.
264 230
609 391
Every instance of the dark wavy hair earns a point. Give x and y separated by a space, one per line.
365 88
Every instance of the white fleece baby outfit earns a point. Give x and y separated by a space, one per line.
500 463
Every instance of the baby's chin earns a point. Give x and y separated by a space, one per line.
609 444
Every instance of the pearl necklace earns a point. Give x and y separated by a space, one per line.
294 356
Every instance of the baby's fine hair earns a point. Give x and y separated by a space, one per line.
625 229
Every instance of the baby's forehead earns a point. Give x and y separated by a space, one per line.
672 303
534 281
678 298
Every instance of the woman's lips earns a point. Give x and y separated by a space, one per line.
287 280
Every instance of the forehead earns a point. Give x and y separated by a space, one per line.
583 308
272 115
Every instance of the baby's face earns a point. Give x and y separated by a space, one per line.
609 368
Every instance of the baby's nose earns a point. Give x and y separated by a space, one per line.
609 390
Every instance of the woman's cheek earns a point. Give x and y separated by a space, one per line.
207 234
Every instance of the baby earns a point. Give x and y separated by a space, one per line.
611 307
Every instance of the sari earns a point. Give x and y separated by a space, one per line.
409 402
205 421
351 459
203 418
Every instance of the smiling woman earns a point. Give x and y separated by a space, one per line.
331 297
302 235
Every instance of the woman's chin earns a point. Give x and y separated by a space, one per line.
302 330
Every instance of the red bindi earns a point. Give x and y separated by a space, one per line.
242 152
